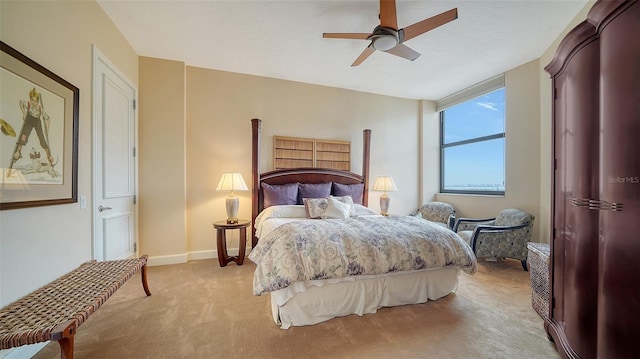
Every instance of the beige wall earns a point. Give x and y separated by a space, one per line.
430 152
219 106
522 151
219 109
161 161
39 244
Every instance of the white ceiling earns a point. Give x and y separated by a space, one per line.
283 39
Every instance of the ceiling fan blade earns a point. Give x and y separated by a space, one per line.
363 56
431 23
346 35
404 52
388 17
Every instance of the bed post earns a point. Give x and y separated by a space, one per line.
366 149
256 125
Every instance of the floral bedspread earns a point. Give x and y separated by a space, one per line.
336 248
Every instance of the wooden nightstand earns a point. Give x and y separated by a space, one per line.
221 237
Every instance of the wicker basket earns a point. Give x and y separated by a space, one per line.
538 259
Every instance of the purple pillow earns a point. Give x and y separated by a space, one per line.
274 195
313 190
354 190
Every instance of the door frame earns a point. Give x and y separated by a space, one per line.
98 57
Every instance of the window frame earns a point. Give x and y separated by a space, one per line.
473 92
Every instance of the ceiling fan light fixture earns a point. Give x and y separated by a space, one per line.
384 42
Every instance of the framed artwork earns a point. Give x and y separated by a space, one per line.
38 134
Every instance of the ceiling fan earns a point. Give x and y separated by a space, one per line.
388 38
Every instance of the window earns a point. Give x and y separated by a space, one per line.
472 140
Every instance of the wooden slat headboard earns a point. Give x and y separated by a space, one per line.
296 152
302 175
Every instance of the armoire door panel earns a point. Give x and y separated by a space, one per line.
578 149
619 287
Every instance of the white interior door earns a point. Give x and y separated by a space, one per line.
114 162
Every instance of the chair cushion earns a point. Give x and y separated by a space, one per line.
466 235
437 211
513 217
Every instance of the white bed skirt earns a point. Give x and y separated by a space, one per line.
312 302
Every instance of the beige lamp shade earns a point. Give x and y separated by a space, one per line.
232 181
384 184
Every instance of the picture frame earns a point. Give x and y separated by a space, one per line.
38 134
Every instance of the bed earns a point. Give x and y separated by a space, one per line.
320 253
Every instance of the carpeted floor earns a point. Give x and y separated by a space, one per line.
199 310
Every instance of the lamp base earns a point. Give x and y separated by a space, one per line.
384 205
232 209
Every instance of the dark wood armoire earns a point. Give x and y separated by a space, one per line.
595 247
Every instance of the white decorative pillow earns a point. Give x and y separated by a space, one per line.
315 207
337 209
360 210
344 199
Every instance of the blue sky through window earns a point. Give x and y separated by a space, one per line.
476 166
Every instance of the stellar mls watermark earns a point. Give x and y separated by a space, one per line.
631 179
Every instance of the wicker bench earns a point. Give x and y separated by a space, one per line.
55 311
538 259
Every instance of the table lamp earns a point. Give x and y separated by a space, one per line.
384 184
232 182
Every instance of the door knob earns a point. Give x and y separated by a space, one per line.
102 209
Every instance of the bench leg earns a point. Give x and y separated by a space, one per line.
143 273
64 334
66 347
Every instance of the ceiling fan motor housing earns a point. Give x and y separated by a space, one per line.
385 38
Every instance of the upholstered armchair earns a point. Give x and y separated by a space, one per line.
504 236
441 213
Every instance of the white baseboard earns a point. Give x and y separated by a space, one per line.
189 256
198 255
164 260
